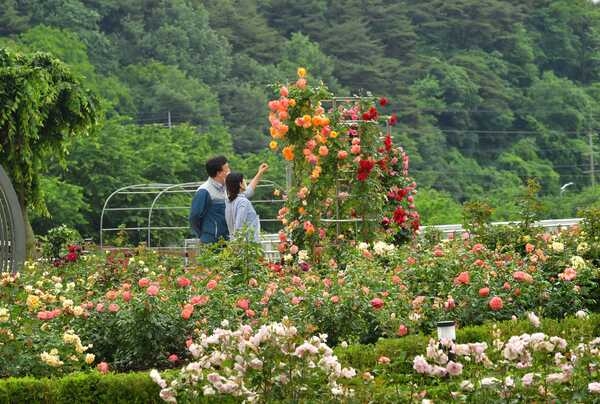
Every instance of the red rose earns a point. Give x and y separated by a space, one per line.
484 292
388 142
71 257
399 215
393 119
383 101
364 169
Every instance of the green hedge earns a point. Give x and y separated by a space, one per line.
81 388
403 350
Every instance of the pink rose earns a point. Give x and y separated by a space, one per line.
243 304
568 274
113 307
496 303
144 283
183 282
383 360
199 300
102 367
127 295
449 304
454 368
152 290
402 330
187 311
173 358
463 278
484 292
301 83
211 284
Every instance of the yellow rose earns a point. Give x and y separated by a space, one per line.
33 302
90 358
301 72
273 145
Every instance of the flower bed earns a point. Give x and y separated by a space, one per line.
385 371
136 310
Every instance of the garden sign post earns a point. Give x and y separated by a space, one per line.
12 227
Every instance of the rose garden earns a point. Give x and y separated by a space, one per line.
349 310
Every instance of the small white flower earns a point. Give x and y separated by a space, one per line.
488 381
533 319
466 385
594 388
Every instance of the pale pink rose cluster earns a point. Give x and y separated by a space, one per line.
224 362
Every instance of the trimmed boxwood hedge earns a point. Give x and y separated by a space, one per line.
137 387
81 388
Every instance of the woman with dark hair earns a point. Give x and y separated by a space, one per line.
239 212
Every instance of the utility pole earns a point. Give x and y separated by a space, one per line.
592 173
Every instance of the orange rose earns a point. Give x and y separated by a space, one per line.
288 153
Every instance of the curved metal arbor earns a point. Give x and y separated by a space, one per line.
12 227
153 194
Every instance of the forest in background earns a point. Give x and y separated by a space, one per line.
489 93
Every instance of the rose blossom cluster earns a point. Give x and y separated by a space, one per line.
226 361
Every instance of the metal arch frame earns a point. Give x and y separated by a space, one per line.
121 191
12 234
157 197
159 190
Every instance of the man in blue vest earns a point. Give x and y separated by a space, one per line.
207 216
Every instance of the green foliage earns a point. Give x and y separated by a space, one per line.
437 207
43 107
65 202
158 90
82 388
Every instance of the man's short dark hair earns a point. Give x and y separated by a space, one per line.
214 165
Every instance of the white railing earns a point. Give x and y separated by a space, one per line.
550 225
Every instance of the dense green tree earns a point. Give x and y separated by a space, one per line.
301 51
42 107
289 16
14 17
438 207
243 106
66 205
568 39
245 28
464 24
173 32
158 90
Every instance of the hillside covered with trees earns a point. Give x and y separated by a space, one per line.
488 93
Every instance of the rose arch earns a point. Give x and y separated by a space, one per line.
350 183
